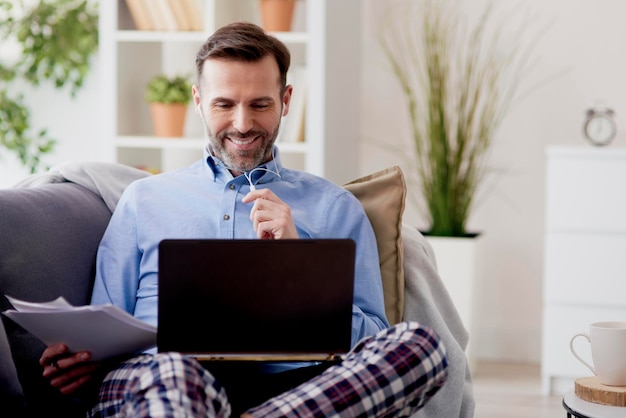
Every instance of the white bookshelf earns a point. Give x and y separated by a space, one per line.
324 41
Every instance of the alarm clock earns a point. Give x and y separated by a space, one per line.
599 127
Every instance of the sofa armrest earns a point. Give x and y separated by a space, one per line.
50 234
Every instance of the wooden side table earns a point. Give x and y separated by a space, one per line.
576 407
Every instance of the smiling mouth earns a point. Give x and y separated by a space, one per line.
243 141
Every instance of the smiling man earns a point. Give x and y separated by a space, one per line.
240 190
245 102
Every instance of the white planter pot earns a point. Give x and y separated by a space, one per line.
457 265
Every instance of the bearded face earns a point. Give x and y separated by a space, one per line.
241 106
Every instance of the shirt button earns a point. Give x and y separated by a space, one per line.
231 187
226 217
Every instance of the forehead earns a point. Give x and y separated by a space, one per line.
232 79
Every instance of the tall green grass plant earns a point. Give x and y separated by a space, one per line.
459 81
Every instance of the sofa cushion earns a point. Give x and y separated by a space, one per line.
383 196
11 397
50 236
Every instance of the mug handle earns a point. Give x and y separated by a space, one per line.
571 347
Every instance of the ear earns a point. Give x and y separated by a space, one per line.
196 96
287 99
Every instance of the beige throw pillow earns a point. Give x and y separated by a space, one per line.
383 195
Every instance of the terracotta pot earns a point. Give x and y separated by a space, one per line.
277 15
168 120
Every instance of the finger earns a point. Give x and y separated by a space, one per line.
254 210
75 385
66 376
57 365
72 379
51 353
277 228
271 219
266 194
264 230
263 211
251 196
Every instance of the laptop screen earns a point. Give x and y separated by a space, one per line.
234 297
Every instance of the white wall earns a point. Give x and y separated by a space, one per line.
584 47
74 122
582 56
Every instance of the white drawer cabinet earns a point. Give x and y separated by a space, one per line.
585 253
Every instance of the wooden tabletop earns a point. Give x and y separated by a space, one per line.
587 409
590 389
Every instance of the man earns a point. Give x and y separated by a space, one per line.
240 190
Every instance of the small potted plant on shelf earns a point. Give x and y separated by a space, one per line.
168 98
277 15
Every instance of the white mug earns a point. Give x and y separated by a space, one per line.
608 351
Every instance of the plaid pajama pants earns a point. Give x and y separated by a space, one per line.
390 374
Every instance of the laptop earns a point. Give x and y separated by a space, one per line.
258 300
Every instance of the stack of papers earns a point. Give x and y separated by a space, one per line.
104 330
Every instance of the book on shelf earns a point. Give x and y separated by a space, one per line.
182 20
166 15
104 330
155 16
140 14
194 12
292 129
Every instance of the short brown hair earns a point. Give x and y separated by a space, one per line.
243 41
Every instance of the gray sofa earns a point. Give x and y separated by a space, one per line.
51 225
49 238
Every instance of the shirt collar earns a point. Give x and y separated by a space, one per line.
217 168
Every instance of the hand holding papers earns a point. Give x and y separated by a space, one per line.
105 330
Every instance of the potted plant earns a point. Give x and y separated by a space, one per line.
277 15
56 39
168 98
459 81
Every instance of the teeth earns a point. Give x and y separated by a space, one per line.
242 142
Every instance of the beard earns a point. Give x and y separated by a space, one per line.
242 160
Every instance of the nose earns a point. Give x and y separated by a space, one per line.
242 120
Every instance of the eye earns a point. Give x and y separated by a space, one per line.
222 105
262 105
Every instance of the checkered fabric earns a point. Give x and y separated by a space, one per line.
392 373
161 385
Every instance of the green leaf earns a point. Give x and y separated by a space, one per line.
163 89
459 81
58 40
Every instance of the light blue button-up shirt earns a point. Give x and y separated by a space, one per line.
204 201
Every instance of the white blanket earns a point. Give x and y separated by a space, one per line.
107 180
